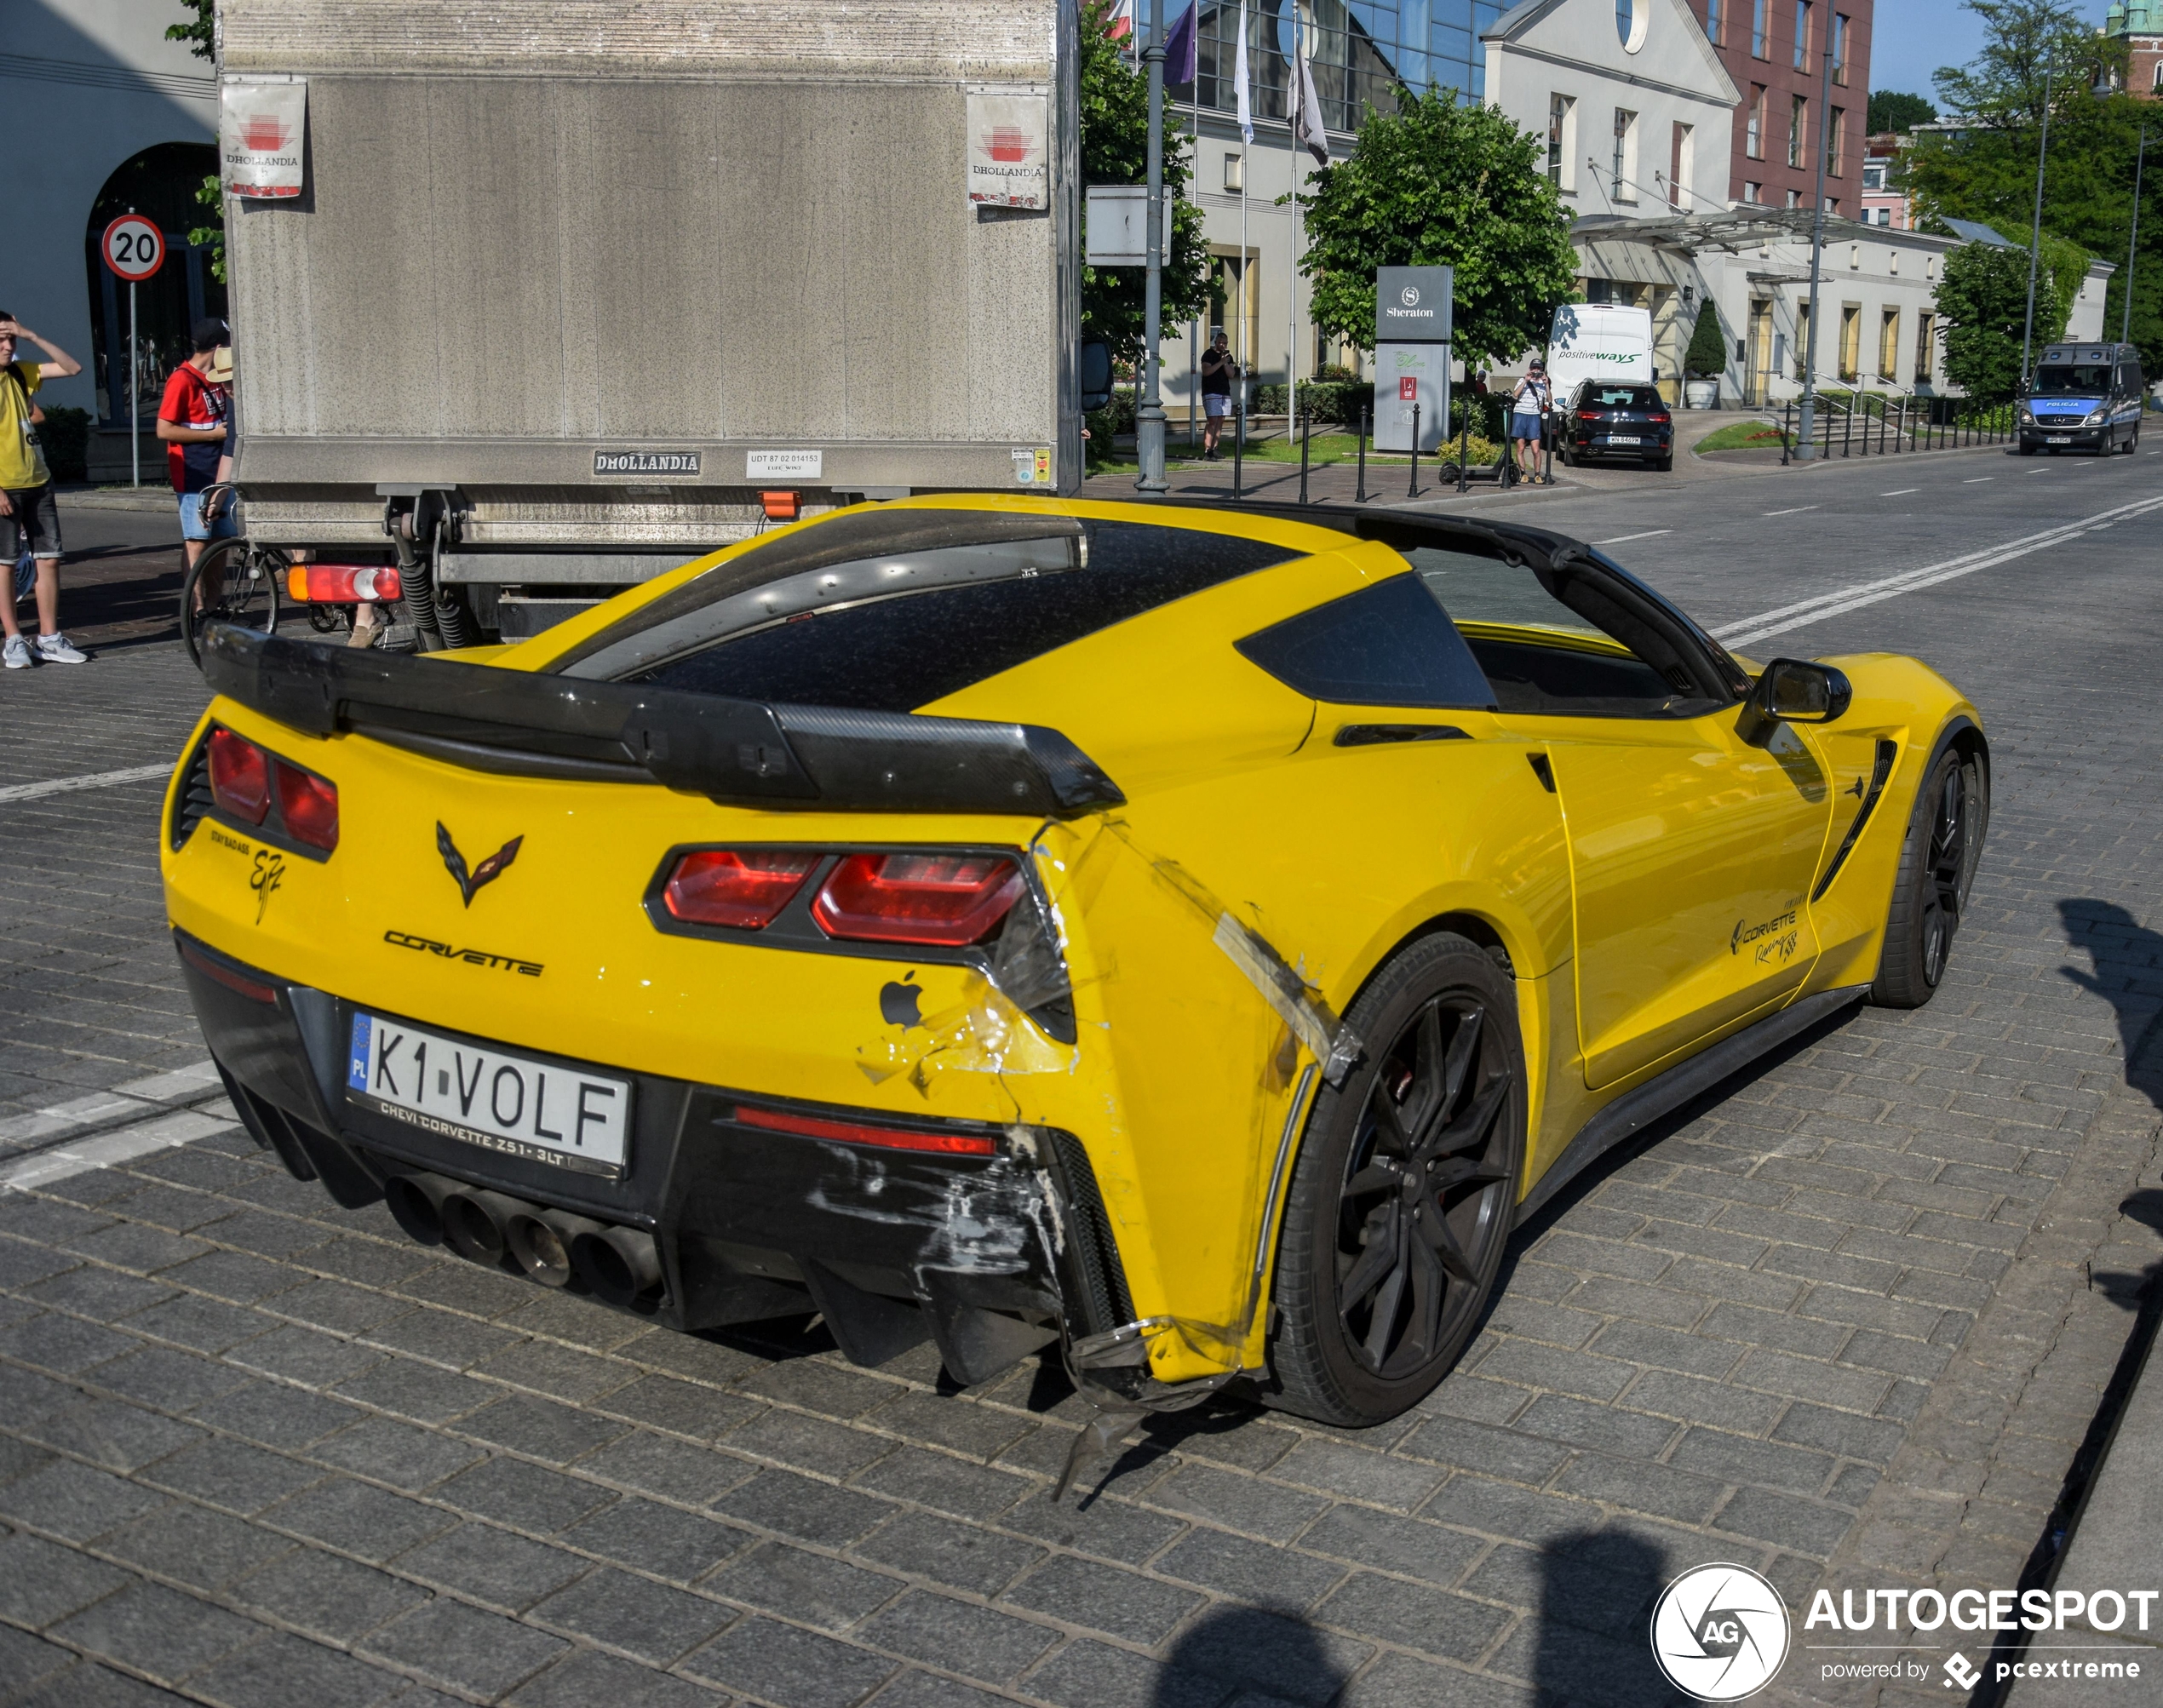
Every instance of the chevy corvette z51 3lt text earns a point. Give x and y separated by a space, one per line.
1193 937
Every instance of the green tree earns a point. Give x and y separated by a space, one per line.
1890 110
1707 352
1115 150
1987 171
196 33
1983 298
1437 183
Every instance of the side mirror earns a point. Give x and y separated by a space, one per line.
1792 690
1095 374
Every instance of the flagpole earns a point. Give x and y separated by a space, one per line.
1297 103
1246 153
1148 419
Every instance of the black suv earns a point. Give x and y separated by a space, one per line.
1616 418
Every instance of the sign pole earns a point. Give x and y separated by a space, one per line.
1149 415
135 394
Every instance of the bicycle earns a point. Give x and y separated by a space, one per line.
235 581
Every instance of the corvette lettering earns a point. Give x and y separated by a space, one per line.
1773 928
472 957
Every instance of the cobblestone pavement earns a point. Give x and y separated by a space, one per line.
1845 1321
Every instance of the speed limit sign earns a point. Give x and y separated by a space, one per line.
134 249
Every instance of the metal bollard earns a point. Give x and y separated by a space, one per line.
1306 433
1413 491
1464 452
1238 444
1365 416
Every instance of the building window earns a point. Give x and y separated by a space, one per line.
1682 169
1760 41
1561 142
1752 192
1803 345
1626 24
1234 173
1850 339
1716 22
1753 124
1926 343
1626 154
1839 47
1802 35
1795 198
1873 175
1889 345
1797 128
1835 135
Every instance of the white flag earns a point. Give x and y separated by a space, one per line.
1307 116
1239 77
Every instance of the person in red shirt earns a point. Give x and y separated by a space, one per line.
195 421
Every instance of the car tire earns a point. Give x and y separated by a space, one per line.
2028 451
1932 882
1373 1306
1664 465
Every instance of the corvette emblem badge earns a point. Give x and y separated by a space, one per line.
486 873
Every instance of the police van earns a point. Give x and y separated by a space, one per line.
2087 397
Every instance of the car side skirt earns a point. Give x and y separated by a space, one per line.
1631 1113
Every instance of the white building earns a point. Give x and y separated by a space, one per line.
1638 111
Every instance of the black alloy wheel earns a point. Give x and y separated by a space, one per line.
1405 1191
1937 866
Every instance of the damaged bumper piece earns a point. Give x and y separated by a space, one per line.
990 1241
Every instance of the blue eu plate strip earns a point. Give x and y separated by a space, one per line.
357 1068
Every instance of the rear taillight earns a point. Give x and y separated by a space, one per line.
935 897
342 583
858 1132
1592 415
310 806
1662 420
239 776
743 887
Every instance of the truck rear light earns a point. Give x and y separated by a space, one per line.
343 583
741 887
310 806
239 776
855 1132
935 897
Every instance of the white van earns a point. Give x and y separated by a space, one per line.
1598 341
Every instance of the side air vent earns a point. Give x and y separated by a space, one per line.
193 805
1096 1251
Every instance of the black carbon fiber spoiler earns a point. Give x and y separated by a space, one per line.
743 753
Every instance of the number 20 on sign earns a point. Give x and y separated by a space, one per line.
134 249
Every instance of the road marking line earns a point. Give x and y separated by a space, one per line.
100 779
125 1144
1797 510
1804 612
1902 493
1978 480
1648 533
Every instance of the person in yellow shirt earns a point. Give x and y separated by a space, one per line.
29 522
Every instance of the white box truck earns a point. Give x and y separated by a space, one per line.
1599 341
555 295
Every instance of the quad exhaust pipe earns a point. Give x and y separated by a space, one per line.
619 1266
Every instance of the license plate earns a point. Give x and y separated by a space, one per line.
1624 438
540 1111
2059 438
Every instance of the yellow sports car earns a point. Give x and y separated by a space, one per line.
1192 936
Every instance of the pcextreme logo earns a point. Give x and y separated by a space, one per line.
1719 1632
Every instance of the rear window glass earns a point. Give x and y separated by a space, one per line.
1618 397
894 630
1390 644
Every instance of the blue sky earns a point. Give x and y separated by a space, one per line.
1914 38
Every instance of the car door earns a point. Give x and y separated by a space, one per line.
1692 850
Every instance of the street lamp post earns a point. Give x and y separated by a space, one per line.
1804 449
2133 243
1148 418
2035 230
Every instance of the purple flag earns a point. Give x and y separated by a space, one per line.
1179 49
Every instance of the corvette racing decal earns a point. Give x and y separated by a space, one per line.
1775 940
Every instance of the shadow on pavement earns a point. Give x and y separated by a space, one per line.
1591 1644
1282 1659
